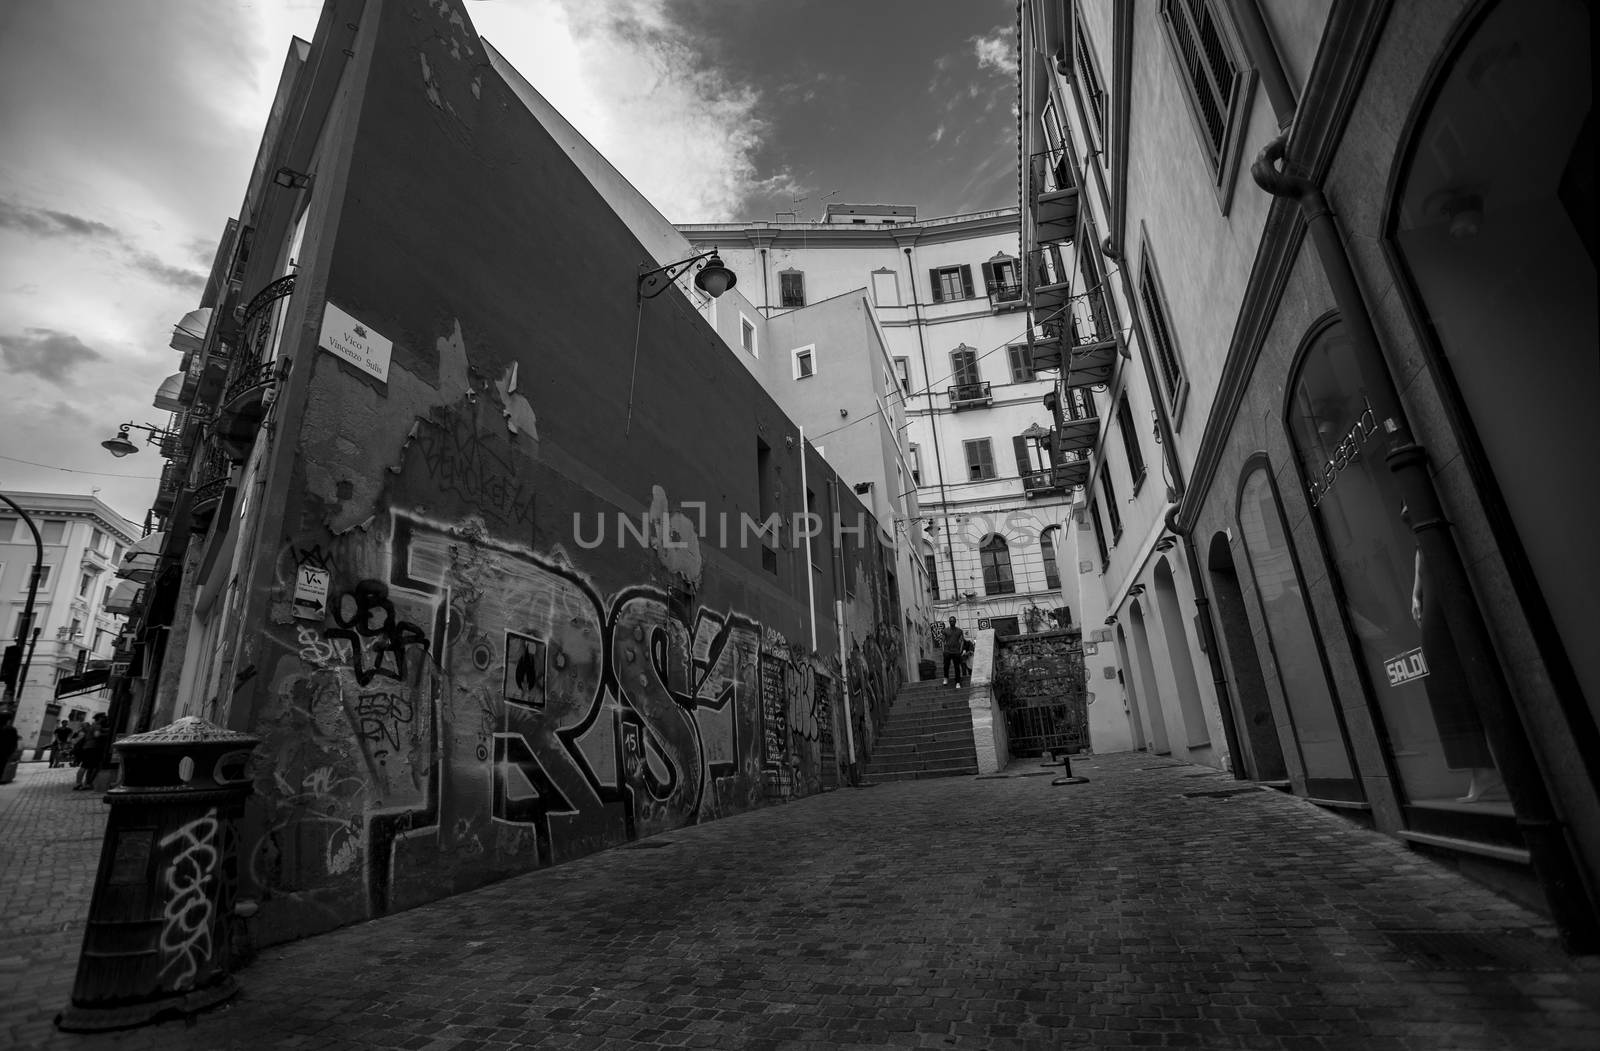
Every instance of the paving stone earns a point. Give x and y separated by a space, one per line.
953 913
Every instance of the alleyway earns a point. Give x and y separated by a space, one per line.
959 913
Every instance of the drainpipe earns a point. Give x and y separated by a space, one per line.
836 552
1549 840
766 292
933 425
1202 602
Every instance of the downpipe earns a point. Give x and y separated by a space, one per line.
1550 847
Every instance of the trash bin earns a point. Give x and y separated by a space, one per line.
157 942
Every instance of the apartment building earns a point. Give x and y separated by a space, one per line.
77 611
1345 253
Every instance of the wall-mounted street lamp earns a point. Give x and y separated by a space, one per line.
712 278
290 179
1166 543
122 445
1136 590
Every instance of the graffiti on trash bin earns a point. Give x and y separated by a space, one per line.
186 922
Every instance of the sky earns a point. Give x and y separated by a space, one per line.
128 129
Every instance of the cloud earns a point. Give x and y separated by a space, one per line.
938 134
997 51
44 222
45 353
684 132
174 276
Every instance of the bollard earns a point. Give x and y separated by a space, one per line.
156 942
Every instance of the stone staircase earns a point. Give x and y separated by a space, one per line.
929 734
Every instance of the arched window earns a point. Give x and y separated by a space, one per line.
996 559
1047 551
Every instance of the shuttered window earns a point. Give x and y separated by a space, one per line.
964 367
980 459
1021 446
1021 364
1130 439
950 282
1169 366
996 559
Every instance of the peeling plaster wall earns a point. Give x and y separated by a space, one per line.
543 635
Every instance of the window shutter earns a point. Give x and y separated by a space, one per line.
989 279
986 457
1024 458
966 280
933 279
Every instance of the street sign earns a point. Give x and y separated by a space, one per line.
311 593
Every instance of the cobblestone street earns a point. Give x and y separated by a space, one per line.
981 913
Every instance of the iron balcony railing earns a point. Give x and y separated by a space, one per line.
1055 195
964 395
1052 171
253 365
210 479
1005 292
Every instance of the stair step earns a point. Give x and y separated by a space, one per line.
920 750
919 775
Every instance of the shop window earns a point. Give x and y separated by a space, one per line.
1391 603
995 556
1292 639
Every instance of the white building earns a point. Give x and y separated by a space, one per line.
85 542
945 295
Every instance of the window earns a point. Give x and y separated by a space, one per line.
1022 446
902 369
98 541
1113 513
805 362
8 529
747 336
916 463
1005 627
77 628
99 638
1047 551
85 583
1021 363
951 282
791 288
933 575
996 559
1130 440
1169 365
964 366
1094 92
1099 535
44 578
52 532
980 459
1205 51
105 596
1002 280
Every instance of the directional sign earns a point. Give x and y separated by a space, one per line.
311 593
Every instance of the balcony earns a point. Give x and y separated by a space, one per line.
1050 278
1088 339
1055 195
1071 470
970 396
1005 295
211 480
167 489
253 374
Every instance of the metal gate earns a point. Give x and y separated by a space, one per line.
1039 682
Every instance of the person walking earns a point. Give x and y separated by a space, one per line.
953 638
93 752
10 754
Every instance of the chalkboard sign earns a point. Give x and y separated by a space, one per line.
774 711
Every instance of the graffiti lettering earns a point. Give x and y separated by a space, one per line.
366 620
460 460
186 921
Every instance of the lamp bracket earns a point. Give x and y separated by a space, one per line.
653 282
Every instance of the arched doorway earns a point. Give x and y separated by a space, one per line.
1197 734
1264 750
1130 693
1146 673
1494 223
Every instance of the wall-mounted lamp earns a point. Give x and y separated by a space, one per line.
1137 589
290 179
122 445
862 488
1166 543
713 278
1111 620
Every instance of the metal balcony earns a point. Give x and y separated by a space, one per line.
252 373
210 482
1005 295
1049 279
1071 470
1054 195
1081 341
167 489
970 395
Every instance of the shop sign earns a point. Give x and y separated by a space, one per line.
1344 454
1405 668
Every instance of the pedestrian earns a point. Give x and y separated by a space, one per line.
952 651
10 754
59 744
92 752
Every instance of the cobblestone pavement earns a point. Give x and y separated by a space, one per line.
982 913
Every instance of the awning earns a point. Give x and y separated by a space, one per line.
190 333
123 597
139 561
92 679
167 394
